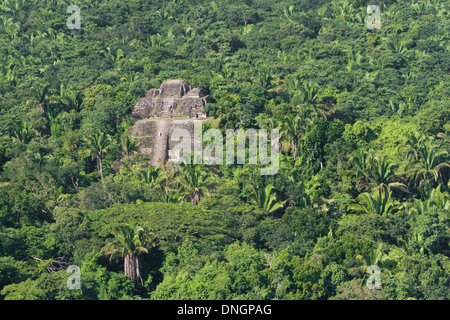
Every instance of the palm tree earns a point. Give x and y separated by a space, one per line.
374 171
129 145
265 198
440 199
195 182
170 196
294 127
420 7
21 132
373 257
113 54
98 145
71 100
310 196
50 115
396 44
11 72
155 40
396 253
41 91
71 140
437 198
129 77
130 242
428 168
383 174
379 203
291 129
151 175
361 160
265 79
412 242
343 10
310 98
419 207
413 144
390 257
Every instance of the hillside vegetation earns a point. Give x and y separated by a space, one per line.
364 165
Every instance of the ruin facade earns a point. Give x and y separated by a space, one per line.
175 98
175 105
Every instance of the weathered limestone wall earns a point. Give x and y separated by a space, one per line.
155 137
175 98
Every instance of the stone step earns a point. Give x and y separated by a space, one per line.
160 144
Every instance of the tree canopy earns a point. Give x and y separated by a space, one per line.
364 167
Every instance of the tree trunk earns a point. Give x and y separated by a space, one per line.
132 268
195 198
99 166
294 148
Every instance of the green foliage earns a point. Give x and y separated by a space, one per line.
171 223
364 165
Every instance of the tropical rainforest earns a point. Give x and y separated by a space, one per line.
363 180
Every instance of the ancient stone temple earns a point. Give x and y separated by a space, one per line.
175 105
175 98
